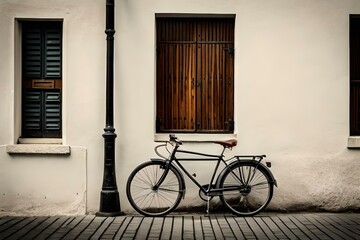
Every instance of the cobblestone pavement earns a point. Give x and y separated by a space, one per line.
185 226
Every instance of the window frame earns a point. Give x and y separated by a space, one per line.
56 82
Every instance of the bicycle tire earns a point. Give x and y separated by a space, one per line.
147 201
254 188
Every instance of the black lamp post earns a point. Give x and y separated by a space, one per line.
109 198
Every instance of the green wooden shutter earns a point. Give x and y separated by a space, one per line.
52 52
32 52
42 55
52 111
32 111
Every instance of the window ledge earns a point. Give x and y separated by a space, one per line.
38 149
354 142
193 137
40 140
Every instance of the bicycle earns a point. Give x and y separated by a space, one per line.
245 185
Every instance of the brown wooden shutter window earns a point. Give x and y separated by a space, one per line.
195 75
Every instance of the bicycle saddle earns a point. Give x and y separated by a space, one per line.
228 143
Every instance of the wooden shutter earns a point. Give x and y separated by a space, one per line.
42 47
176 75
42 55
32 66
195 78
32 111
215 76
42 114
354 75
52 111
52 52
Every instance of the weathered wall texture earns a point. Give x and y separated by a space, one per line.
291 101
39 185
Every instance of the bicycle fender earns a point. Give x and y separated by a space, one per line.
260 165
175 168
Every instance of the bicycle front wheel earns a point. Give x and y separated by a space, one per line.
247 188
147 200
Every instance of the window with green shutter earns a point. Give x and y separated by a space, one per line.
41 79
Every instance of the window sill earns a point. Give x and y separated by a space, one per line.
49 149
193 137
354 142
40 140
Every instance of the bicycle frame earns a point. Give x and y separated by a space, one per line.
210 191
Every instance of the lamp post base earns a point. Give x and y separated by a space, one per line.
110 214
109 204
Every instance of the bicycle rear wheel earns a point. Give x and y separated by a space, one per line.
251 186
147 200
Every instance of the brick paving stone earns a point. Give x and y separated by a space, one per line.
6 226
101 229
284 228
132 228
235 227
188 227
316 232
291 225
124 224
248 233
15 227
225 228
91 228
264 226
342 231
335 233
300 226
167 228
348 224
216 227
324 233
267 230
155 230
177 227
207 228
257 229
4 220
50 229
66 227
35 232
79 228
26 230
337 228
144 228
198 232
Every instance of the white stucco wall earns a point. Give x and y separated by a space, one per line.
39 185
65 181
291 101
291 95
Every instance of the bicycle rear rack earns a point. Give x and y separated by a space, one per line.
257 158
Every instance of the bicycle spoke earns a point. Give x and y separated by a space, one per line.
164 197
168 190
249 189
149 200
